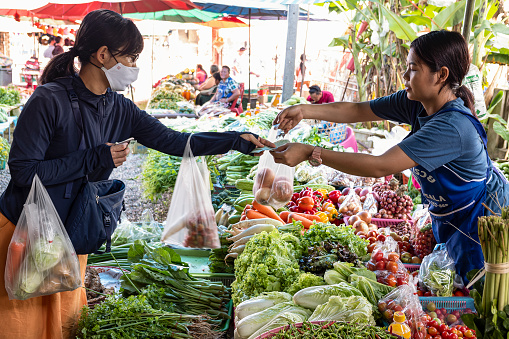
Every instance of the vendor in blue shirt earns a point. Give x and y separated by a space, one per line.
228 90
47 143
446 149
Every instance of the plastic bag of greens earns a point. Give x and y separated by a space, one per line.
128 232
404 298
191 220
149 224
273 184
41 259
437 272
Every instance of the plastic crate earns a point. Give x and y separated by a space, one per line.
227 322
381 223
449 303
412 267
2 165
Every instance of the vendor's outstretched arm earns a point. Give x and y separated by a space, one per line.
343 112
366 165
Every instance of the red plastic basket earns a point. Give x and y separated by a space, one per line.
385 222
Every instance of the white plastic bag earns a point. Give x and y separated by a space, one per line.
273 184
191 218
41 259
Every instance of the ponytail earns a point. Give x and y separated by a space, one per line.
468 98
59 66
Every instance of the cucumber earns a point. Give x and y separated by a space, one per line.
239 208
234 219
243 201
244 184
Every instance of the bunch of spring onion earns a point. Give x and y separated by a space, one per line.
494 238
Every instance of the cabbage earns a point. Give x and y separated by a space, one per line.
292 315
353 309
311 297
261 302
47 254
252 323
332 277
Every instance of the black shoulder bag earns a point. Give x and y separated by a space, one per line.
96 209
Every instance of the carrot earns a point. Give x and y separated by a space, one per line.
284 215
254 214
310 216
305 222
17 253
267 210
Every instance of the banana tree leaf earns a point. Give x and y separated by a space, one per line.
493 8
390 50
501 130
496 117
417 19
498 58
485 26
399 26
500 28
494 102
450 16
341 41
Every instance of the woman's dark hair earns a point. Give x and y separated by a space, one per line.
217 76
302 66
58 39
214 69
99 28
439 49
314 89
200 67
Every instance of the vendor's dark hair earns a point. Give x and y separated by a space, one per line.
228 68
214 69
217 76
447 49
99 28
314 89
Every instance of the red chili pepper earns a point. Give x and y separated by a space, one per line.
307 192
291 204
334 196
295 209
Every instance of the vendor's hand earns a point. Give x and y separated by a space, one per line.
289 117
119 153
223 100
260 142
292 154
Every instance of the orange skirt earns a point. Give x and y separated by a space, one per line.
48 317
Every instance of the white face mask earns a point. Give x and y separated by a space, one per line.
121 76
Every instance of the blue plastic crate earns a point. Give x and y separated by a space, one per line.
449 303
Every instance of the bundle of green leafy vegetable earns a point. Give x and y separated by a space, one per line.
217 264
344 235
133 317
321 258
269 262
333 330
9 96
163 269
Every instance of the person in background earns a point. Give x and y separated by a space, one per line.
47 143
240 67
317 96
446 149
228 89
210 82
201 75
303 73
204 96
48 53
59 42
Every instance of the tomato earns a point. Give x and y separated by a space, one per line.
393 256
373 234
381 238
442 328
459 294
445 335
380 266
398 308
371 265
427 294
428 336
419 327
372 240
306 203
468 334
377 256
426 318
437 337
392 266
402 280
463 329
371 247
432 330
419 293
453 336
434 324
391 280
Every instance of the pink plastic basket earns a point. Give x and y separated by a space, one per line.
350 140
385 222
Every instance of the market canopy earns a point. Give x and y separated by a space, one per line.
246 8
226 22
176 15
69 9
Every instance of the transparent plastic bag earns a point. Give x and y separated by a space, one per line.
128 232
404 298
437 272
422 237
351 204
41 259
149 224
273 183
370 203
191 218
386 263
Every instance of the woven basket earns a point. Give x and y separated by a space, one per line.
335 131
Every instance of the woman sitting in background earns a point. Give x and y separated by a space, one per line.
207 94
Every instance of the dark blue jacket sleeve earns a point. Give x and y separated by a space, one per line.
152 133
32 138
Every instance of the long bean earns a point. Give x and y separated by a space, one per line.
333 330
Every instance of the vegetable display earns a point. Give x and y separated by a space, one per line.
394 203
344 235
354 309
321 258
9 96
314 296
332 330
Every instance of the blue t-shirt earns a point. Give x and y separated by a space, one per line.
448 139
